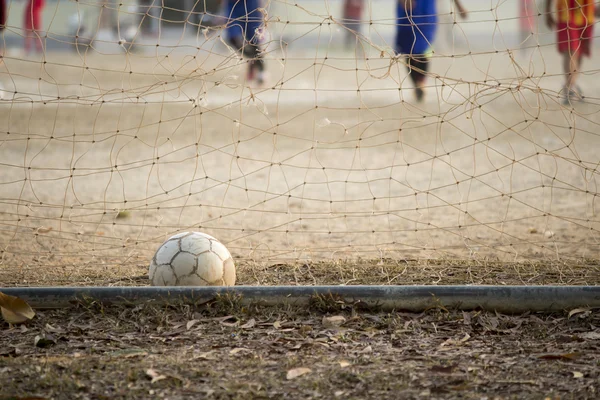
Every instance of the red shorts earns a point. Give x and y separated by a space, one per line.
574 39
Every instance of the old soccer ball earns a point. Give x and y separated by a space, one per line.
192 259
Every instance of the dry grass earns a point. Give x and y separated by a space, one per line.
354 272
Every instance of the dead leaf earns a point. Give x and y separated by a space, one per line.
576 311
154 375
190 324
296 372
367 349
577 375
593 335
344 364
277 324
563 356
209 355
249 325
123 214
44 341
128 353
334 321
50 328
238 350
14 310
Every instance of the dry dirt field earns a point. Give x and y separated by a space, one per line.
105 156
329 174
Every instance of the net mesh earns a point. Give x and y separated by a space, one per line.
137 121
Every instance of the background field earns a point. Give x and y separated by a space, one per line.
106 153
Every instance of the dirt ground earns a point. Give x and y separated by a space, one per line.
106 156
220 350
329 174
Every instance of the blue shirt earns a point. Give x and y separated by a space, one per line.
244 19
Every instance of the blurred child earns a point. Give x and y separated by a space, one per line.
415 32
244 33
352 15
2 25
33 24
574 23
527 16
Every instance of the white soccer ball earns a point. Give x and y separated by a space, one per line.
192 259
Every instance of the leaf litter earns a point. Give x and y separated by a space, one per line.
184 351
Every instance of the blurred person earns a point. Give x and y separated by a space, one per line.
352 21
527 22
415 31
573 21
33 25
2 25
244 31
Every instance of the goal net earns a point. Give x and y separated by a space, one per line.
123 123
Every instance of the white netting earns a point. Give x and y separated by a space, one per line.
137 122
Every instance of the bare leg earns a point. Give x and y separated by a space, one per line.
571 64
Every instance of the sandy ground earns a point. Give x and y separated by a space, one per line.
332 158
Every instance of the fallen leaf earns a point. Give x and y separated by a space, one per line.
344 364
296 372
154 375
276 324
44 341
123 214
593 335
579 311
50 328
190 324
367 349
334 321
249 325
563 356
238 350
577 375
14 310
128 353
338 393
209 355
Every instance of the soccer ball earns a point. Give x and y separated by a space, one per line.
192 259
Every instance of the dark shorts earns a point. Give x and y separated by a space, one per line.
575 39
